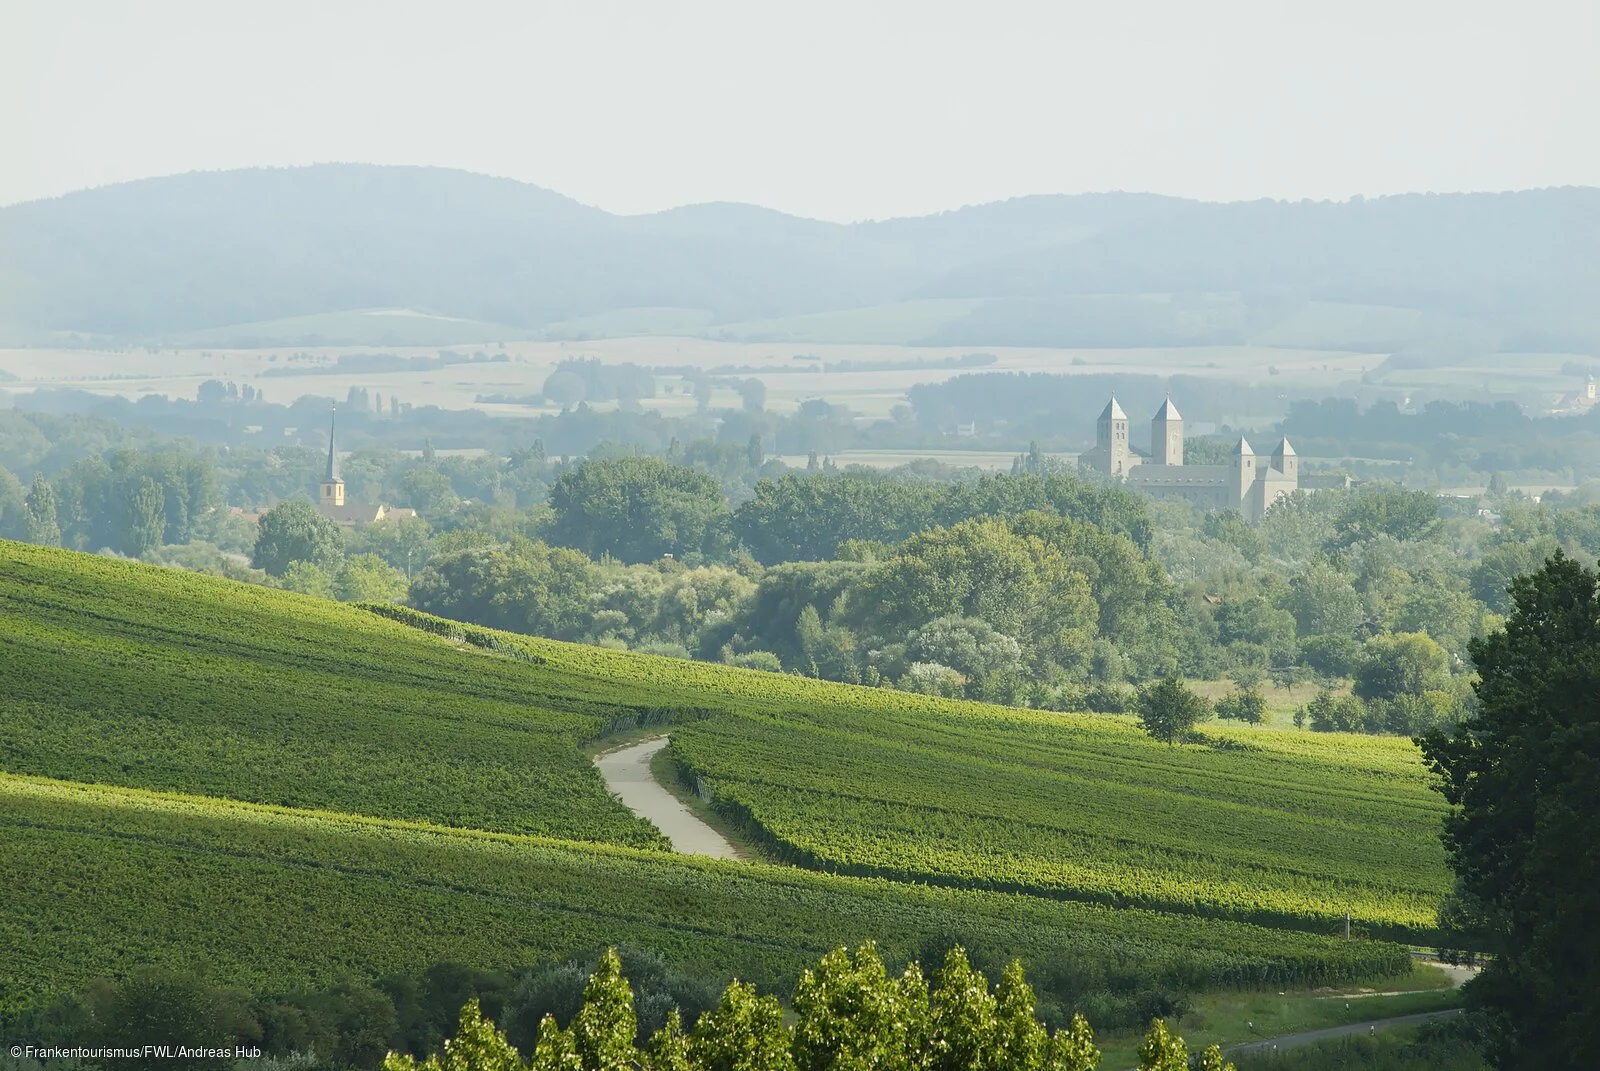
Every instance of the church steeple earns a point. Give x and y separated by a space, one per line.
332 483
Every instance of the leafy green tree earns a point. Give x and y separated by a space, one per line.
565 387
145 521
931 678
296 532
429 492
477 1046
1324 601
42 528
1390 511
605 1027
1522 776
669 1047
971 647
1162 1051
963 1024
1021 585
368 578
1073 1049
155 1007
1211 1060
1402 663
853 1014
1243 704
555 1050
1329 713
1230 529
1022 1043
1169 711
13 507
637 509
525 587
1491 578
308 578
744 1032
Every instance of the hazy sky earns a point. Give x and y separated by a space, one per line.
841 111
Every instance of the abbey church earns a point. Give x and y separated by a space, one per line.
1249 483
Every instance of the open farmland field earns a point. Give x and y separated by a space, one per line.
988 460
178 372
100 877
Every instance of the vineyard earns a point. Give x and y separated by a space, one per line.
120 673
99 877
1274 828
291 790
1279 828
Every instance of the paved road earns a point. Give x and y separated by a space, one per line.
1294 1041
627 774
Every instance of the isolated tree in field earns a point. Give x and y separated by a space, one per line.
296 532
43 527
1169 711
1243 704
1523 778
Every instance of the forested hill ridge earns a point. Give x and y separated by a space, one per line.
236 250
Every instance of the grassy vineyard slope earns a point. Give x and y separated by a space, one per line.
1281 828
124 674
99 878
289 790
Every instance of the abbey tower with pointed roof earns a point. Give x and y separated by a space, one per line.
1249 483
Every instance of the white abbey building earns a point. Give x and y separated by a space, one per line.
1249 483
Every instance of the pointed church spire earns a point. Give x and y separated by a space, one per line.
1113 411
333 458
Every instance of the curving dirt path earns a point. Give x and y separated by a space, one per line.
627 774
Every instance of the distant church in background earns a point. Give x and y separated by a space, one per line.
331 500
1249 483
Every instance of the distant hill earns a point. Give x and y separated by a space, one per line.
248 256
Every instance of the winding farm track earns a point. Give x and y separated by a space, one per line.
1371 1026
627 774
